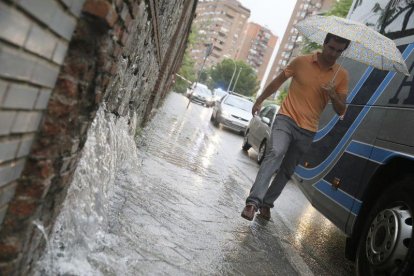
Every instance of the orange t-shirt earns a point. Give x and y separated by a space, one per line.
305 100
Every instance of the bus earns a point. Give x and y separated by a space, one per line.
359 170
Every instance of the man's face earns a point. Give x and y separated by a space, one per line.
333 50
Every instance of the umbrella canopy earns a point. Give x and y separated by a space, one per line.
367 45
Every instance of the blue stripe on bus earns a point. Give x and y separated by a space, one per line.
360 149
328 127
309 173
369 152
373 153
345 200
381 155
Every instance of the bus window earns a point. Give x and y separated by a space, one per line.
400 20
369 12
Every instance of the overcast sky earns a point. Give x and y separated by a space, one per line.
273 14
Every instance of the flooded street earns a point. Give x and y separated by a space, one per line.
169 203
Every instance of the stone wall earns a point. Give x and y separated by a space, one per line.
59 61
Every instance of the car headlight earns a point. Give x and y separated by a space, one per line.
225 114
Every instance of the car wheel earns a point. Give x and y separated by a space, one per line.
386 246
262 152
215 121
212 117
246 146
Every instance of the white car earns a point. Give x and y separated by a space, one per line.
257 133
219 94
200 93
232 111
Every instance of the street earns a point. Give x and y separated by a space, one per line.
173 208
215 175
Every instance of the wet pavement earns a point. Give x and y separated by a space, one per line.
173 206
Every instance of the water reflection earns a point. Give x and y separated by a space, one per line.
306 226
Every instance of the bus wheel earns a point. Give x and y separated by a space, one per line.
386 246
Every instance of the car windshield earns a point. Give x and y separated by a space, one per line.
239 103
220 92
202 91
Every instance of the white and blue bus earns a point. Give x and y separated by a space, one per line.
359 171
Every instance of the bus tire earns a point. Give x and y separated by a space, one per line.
386 246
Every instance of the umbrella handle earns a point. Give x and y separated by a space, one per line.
337 70
340 65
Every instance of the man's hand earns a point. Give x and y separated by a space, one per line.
256 108
329 89
338 100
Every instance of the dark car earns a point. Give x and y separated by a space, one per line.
258 131
232 111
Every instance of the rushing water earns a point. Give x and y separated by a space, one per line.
123 214
83 237
164 204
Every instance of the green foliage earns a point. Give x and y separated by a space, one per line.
310 47
187 66
204 76
221 75
283 91
340 9
187 71
281 96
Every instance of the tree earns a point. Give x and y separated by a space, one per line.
204 76
186 75
187 71
221 75
283 91
340 9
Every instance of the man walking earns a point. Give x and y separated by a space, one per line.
316 79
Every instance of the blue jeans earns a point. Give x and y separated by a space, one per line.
288 143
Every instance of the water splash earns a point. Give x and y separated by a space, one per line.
42 230
83 230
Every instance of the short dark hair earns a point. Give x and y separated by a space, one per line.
339 39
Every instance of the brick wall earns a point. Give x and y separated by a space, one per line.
59 61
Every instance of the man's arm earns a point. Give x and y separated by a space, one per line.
269 90
338 103
338 99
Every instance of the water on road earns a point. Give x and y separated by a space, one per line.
169 203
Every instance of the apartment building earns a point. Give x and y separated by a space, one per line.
292 40
221 24
256 47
